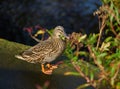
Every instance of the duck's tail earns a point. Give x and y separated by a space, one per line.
19 57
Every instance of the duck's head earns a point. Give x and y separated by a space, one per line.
59 33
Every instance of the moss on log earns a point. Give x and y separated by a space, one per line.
19 74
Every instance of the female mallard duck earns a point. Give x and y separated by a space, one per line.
46 51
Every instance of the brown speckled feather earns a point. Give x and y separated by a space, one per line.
42 51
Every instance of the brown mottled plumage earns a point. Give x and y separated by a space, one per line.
46 51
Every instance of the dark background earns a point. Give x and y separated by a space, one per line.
74 15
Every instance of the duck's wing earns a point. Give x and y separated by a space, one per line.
38 52
43 47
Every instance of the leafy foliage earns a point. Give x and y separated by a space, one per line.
102 49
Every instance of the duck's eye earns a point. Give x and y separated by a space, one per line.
60 30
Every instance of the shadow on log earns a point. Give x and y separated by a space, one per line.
19 74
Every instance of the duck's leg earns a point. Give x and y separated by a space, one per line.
46 71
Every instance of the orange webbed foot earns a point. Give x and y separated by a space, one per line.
46 71
49 68
52 66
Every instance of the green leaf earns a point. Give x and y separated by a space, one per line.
91 76
108 39
92 39
96 52
112 71
72 73
75 58
82 38
39 32
83 53
118 85
49 31
111 7
105 46
86 71
99 61
83 86
117 15
112 82
101 55
115 55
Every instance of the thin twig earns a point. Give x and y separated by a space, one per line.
112 28
34 38
79 70
116 73
101 30
95 61
77 50
83 75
